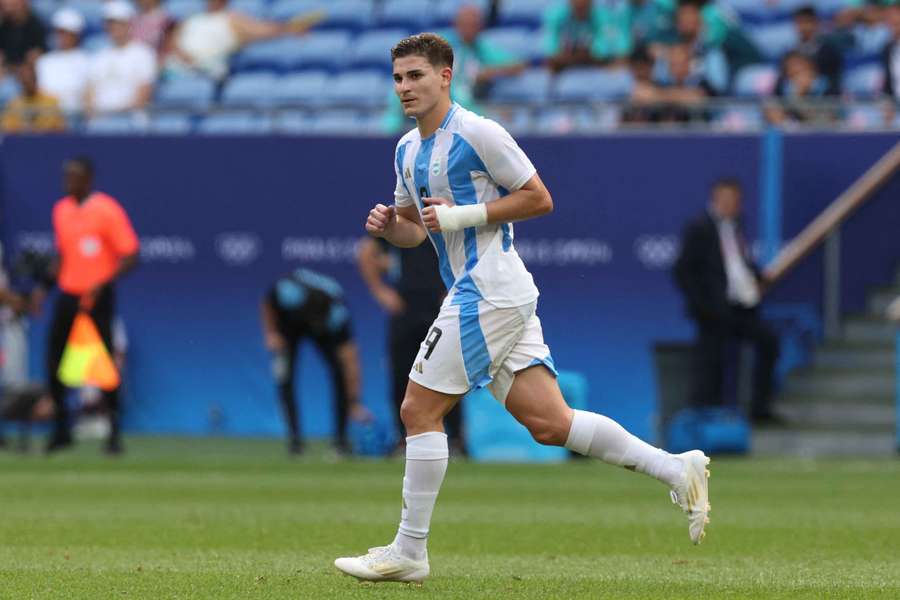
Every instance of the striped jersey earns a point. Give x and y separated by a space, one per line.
468 160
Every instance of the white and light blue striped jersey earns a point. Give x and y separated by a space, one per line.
469 160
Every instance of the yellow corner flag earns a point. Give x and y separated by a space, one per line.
85 360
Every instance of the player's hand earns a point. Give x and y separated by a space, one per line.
381 219
388 298
429 215
275 342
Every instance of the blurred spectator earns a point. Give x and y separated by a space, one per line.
32 111
821 48
122 75
577 33
307 304
802 89
152 24
476 61
681 99
205 42
22 34
652 21
891 55
706 29
64 72
97 245
723 290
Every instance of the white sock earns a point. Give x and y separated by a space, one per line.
601 437
426 463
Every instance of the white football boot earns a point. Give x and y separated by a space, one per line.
692 492
384 563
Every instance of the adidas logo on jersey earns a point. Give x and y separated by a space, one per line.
418 367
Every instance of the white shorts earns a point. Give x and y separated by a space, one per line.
478 345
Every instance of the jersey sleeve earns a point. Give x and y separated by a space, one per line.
505 162
402 198
120 233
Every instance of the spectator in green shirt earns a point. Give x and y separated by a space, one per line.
652 21
579 34
476 61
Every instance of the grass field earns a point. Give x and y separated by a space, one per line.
237 519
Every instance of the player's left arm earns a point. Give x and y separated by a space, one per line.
510 169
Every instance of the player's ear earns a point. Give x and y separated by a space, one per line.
446 76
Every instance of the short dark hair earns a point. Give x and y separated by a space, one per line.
435 49
808 11
86 164
728 182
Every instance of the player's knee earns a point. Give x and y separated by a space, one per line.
414 415
547 432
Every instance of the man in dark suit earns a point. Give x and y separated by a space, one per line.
722 289
890 57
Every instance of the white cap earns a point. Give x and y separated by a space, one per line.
68 19
118 10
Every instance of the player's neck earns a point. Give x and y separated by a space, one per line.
430 122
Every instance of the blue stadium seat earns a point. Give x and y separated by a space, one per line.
515 120
405 14
827 9
44 9
182 9
868 44
340 122
251 90
235 123
356 15
301 89
284 10
593 85
518 41
178 123
774 40
317 50
532 86
259 55
756 81
359 89
528 13
373 49
292 122
115 124
866 81
193 93
255 8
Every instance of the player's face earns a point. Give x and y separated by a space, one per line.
419 85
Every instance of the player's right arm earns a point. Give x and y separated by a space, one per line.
400 225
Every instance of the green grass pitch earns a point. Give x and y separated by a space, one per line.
237 519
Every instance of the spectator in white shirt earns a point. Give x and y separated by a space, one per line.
63 73
122 75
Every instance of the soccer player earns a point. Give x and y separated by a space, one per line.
461 182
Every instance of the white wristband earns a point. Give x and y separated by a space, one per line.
454 218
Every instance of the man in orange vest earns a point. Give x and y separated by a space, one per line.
96 244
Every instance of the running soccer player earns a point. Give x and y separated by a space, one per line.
461 182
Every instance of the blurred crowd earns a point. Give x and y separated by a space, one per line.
658 61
